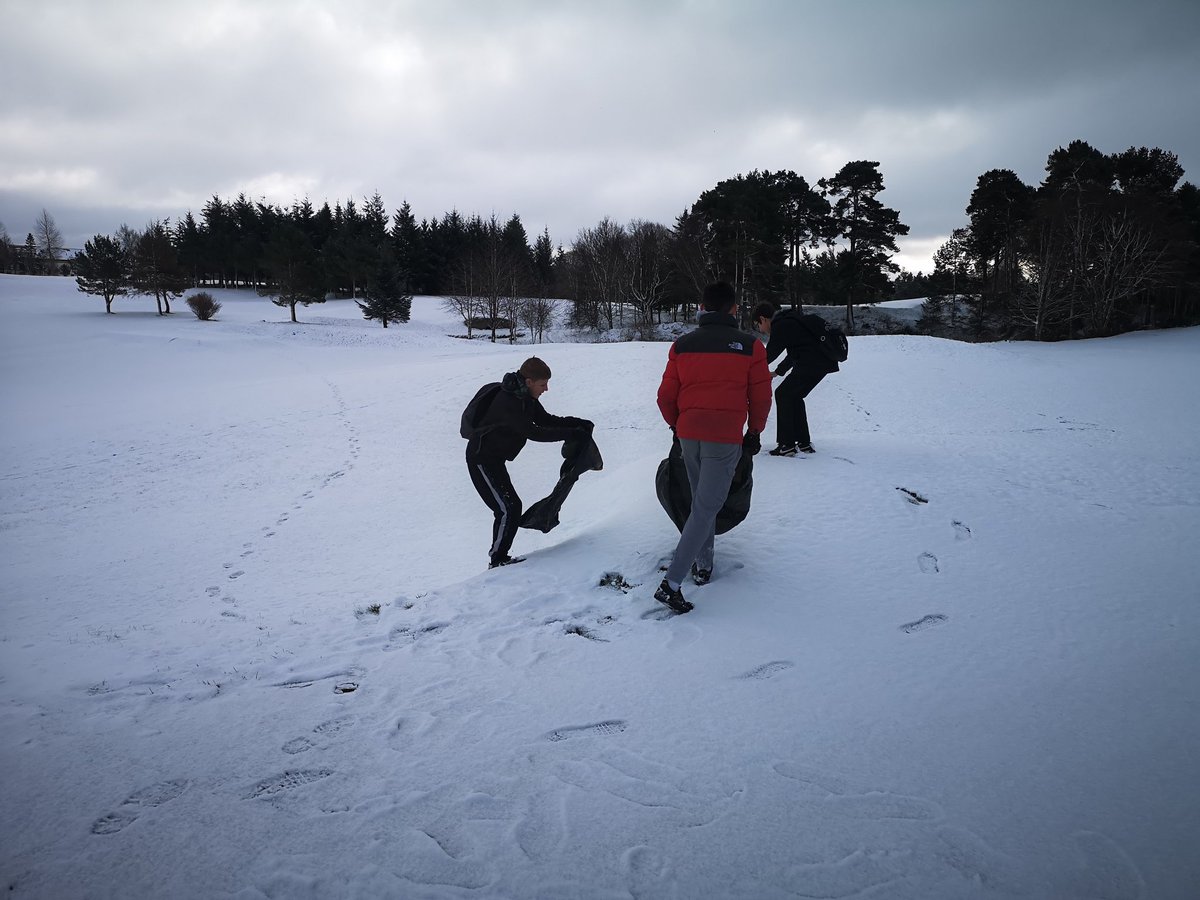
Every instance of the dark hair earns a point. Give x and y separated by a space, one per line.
763 311
719 297
534 369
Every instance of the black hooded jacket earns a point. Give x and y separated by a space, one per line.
512 418
796 333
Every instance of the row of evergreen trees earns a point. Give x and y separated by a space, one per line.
1106 243
759 231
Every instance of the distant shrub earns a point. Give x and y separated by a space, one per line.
203 305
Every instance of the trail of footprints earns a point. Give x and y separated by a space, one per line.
269 531
927 562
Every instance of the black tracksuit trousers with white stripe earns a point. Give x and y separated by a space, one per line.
489 474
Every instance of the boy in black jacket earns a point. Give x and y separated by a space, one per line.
791 332
496 424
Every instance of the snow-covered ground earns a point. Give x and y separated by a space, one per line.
955 654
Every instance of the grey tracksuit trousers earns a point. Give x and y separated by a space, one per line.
710 467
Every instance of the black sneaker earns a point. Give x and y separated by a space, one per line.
785 450
673 599
701 576
505 561
805 448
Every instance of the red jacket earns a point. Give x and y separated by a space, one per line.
715 377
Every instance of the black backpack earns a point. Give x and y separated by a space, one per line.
832 340
477 409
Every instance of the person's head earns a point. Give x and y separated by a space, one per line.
537 376
719 297
763 313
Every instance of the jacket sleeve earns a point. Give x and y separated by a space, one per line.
758 389
668 391
778 344
542 426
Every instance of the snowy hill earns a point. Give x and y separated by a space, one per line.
955 654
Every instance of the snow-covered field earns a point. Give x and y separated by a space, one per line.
955 654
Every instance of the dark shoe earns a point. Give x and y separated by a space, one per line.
805 448
784 450
505 561
672 598
701 576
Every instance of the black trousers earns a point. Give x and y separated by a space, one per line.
791 418
491 480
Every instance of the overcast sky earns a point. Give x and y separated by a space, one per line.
566 112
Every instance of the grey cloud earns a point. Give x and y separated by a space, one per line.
566 112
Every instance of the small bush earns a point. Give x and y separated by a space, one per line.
203 305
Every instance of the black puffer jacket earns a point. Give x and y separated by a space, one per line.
796 333
514 417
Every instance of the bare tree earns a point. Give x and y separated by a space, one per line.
49 240
1127 260
604 253
536 314
649 269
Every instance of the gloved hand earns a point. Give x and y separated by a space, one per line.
576 422
752 442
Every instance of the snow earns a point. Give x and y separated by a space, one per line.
991 693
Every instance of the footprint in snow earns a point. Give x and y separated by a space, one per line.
928 563
212 591
131 807
612 726
286 781
961 531
584 632
234 575
333 726
658 614
767 670
298 745
924 622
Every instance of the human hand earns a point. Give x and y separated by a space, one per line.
752 443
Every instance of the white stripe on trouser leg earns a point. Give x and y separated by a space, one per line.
503 506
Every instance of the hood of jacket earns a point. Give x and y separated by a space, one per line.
513 383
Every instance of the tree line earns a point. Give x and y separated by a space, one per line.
772 234
1106 243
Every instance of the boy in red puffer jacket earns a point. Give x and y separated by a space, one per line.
716 378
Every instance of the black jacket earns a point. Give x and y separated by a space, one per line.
512 418
796 333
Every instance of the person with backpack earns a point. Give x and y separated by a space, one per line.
716 378
497 422
812 349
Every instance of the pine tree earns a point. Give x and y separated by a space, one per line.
869 228
155 267
386 297
296 276
32 263
103 270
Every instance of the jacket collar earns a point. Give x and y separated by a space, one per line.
515 384
717 318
